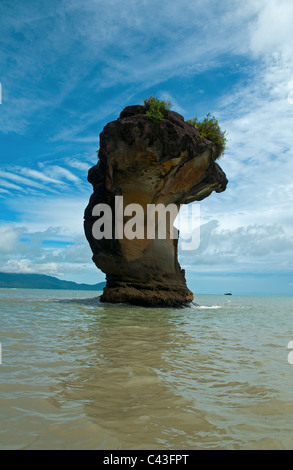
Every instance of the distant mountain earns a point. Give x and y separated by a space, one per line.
41 281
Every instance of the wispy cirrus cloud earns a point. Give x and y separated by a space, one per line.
56 171
21 180
47 178
69 68
141 47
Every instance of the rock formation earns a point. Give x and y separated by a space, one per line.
147 162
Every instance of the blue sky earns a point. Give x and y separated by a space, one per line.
69 67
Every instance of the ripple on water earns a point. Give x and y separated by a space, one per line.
78 374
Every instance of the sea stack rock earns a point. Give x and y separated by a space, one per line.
145 162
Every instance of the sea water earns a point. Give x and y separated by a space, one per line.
79 374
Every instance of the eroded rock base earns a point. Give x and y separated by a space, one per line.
160 296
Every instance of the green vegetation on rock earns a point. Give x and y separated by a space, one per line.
156 109
210 129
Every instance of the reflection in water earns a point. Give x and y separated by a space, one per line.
125 382
79 374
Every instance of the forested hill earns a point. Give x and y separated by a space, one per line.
42 281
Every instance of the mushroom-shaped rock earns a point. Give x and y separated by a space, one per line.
146 164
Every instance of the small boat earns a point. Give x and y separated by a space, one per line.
228 293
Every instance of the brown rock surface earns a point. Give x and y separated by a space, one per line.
148 162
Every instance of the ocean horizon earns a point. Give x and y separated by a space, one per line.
80 374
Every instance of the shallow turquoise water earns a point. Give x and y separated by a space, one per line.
79 374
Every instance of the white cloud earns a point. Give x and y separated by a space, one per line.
259 120
40 176
27 266
79 164
22 181
9 185
8 237
47 252
150 44
55 171
61 211
5 191
53 179
261 247
272 30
